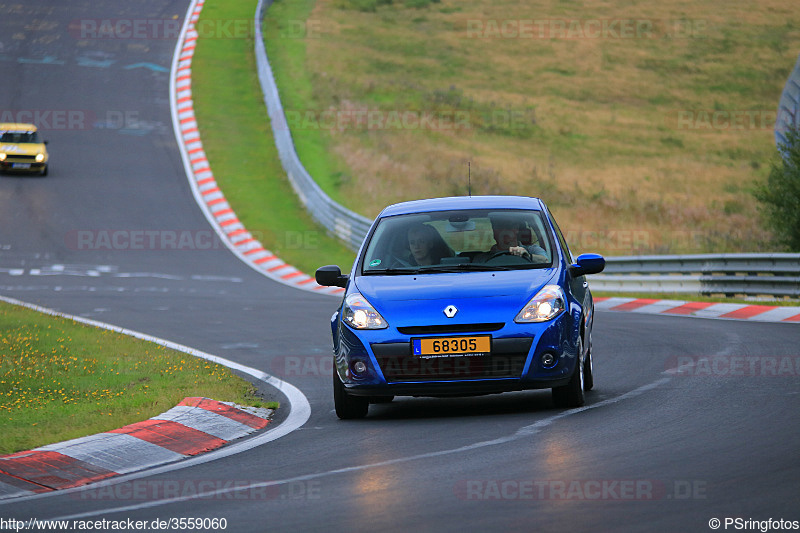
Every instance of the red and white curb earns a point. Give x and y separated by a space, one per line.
248 249
299 412
754 313
204 187
194 426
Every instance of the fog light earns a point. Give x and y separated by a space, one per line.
549 360
359 367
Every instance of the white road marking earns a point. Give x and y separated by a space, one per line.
110 288
521 433
94 271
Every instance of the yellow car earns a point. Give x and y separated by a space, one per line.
21 150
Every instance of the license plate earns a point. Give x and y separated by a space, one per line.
452 346
21 165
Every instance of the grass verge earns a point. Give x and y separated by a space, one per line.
655 139
298 33
238 141
61 380
285 32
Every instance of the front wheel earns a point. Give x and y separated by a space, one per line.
347 407
588 368
571 394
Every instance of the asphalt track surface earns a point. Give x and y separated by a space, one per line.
652 451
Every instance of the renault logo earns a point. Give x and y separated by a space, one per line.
450 311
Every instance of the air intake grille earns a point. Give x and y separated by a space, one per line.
507 360
451 328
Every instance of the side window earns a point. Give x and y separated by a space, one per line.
561 239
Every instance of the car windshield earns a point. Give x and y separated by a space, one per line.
17 137
462 240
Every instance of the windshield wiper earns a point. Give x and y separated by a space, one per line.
459 267
449 269
433 269
389 271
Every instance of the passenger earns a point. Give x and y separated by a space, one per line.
426 245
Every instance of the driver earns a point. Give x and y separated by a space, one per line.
506 235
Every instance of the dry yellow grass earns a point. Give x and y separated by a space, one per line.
615 132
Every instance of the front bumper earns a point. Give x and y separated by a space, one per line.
514 364
22 167
453 388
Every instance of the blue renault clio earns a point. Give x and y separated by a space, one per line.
462 296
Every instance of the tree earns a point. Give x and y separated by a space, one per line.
780 195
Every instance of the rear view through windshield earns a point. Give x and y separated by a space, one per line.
459 240
19 137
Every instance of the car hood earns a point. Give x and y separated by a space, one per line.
22 149
478 296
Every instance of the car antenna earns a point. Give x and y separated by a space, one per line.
469 179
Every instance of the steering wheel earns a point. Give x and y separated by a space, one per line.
498 254
506 252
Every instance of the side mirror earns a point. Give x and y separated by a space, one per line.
331 276
587 264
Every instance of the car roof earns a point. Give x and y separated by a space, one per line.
463 202
17 126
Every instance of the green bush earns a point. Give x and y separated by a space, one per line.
780 195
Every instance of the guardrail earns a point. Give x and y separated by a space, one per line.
337 219
789 107
728 274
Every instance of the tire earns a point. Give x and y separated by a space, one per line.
571 394
44 171
347 407
588 368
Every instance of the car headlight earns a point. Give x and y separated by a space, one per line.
2 156
39 158
359 314
546 305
